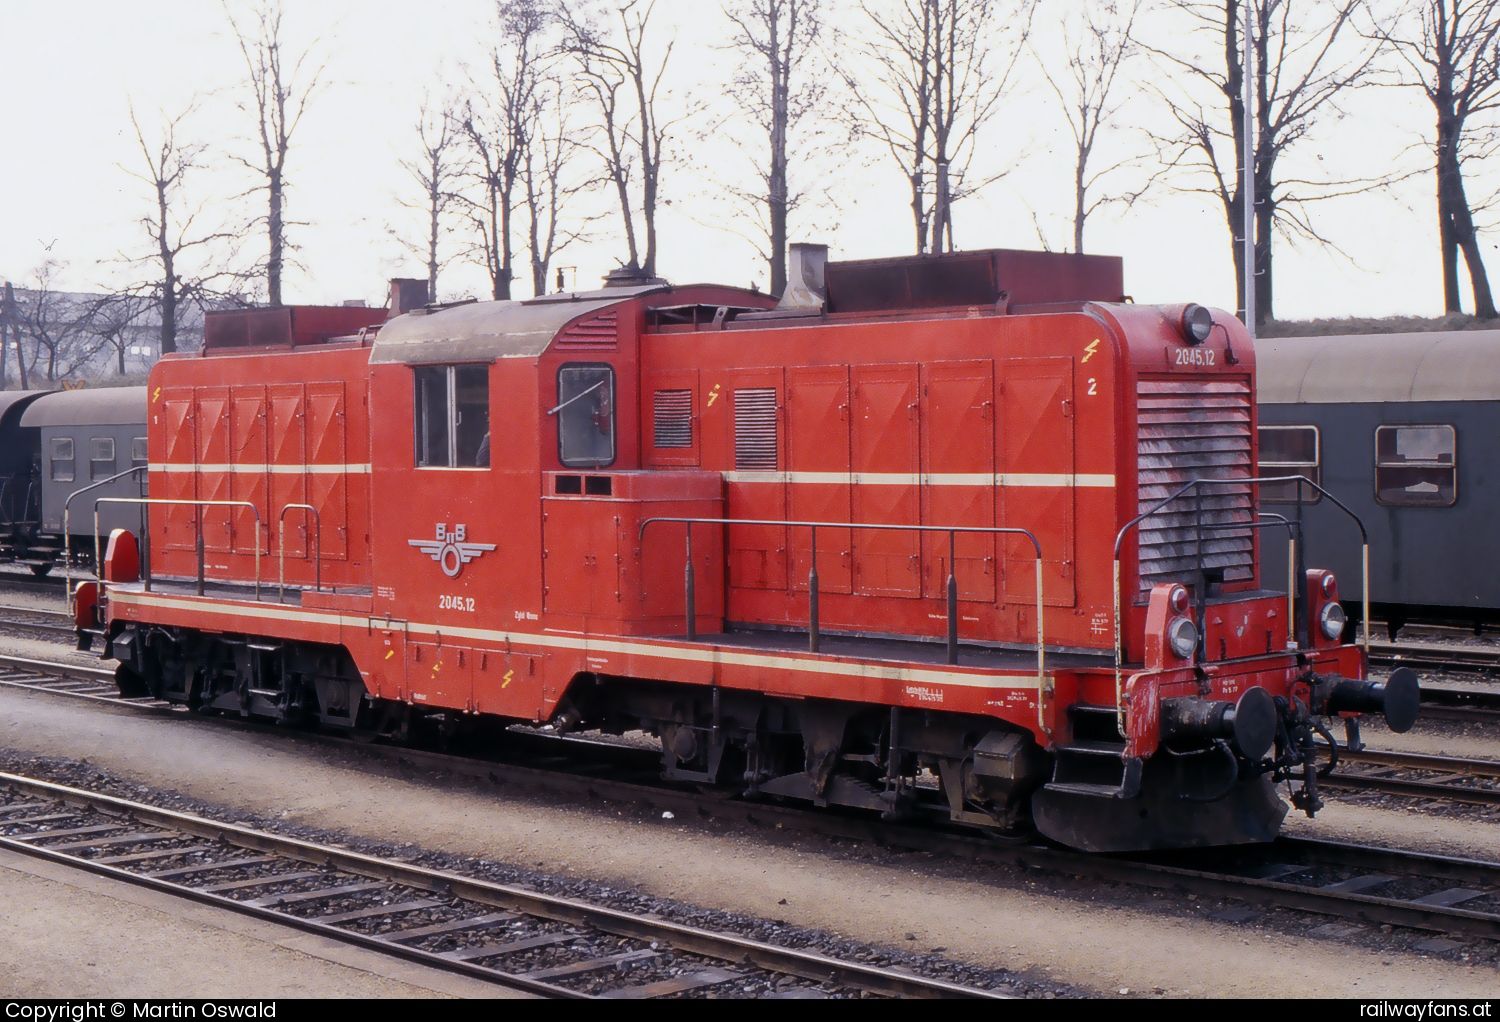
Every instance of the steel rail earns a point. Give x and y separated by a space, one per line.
1412 788
1420 761
289 921
805 964
1126 869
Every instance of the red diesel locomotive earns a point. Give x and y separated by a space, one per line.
965 535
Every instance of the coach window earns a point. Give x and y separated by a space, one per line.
138 459
62 459
101 457
1289 451
452 416
585 415
1416 465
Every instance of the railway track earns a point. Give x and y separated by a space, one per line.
1428 892
510 936
1415 775
34 621
1421 656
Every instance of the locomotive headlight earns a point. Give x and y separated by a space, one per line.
1196 324
1183 636
1332 620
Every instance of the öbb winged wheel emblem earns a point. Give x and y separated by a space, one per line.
449 548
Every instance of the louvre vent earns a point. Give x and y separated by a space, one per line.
674 418
597 332
1194 429
755 429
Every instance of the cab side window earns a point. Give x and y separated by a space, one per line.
452 416
585 414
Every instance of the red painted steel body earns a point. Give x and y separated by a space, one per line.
494 588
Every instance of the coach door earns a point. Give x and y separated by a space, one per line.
1037 464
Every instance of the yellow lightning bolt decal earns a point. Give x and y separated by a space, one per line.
390 653
508 675
157 395
1091 350
713 396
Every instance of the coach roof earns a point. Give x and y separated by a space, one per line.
1357 368
94 406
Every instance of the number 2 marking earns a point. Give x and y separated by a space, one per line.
1093 386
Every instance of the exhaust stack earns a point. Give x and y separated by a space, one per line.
806 286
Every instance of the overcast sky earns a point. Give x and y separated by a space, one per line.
70 69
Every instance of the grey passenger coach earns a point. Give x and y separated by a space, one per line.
1403 429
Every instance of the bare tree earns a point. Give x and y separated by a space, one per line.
1452 47
610 62
173 227
1307 57
56 323
775 38
1094 60
437 171
114 320
499 128
282 86
548 180
935 73
10 332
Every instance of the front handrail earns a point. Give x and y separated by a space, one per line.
813 635
68 533
1195 484
200 505
281 548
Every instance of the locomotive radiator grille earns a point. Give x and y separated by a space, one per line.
755 445
1189 429
673 419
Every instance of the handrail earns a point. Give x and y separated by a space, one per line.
68 533
1195 485
281 549
200 505
1043 689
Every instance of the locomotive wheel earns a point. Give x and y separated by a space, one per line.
41 570
130 683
